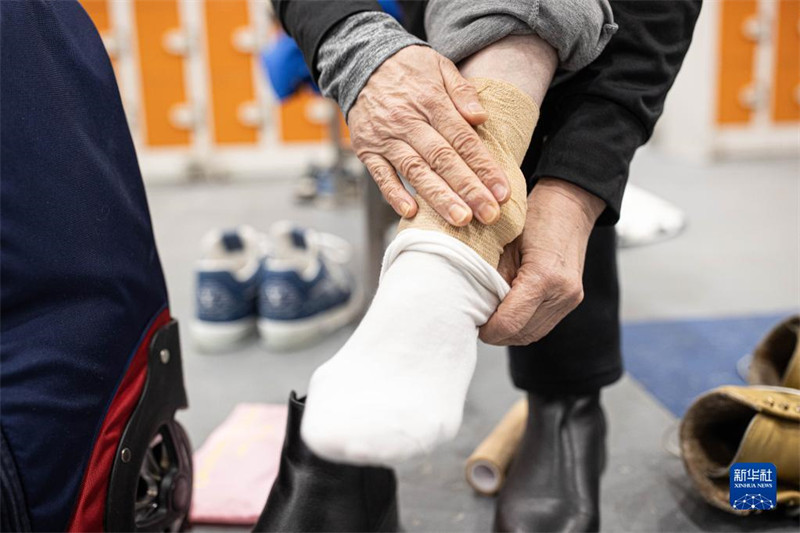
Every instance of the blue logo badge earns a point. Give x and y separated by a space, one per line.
754 486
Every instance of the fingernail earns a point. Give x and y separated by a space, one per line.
405 209
488 213
458 214
476 108
499 192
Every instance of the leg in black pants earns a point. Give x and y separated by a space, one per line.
553 483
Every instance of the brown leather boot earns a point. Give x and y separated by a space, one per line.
742 425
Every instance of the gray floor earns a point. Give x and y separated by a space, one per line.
739 255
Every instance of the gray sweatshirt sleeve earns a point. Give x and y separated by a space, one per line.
577 29
354 49
357 46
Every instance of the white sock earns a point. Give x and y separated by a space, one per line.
397 387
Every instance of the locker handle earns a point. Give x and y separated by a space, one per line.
250 115
177 42
244 40
755 29
752 97
183 117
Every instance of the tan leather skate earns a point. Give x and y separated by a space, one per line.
776 360
742 425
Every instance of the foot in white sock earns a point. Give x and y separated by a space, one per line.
398 386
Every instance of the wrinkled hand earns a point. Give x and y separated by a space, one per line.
545 264
414 117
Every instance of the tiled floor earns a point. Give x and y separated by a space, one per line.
739 255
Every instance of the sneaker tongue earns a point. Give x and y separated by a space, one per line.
232 241
298 237
241 240
291 242
218 244
288 238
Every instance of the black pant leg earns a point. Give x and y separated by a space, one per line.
582 353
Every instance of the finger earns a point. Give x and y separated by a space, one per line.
390 185
444 160
565 293
513 313
428 185
546 317
463 94
470 148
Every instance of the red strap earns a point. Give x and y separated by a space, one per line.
90 509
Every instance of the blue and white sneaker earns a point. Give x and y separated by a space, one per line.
306 291
227 279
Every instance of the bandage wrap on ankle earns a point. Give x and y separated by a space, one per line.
506 134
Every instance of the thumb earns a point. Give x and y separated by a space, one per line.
511 317
463 94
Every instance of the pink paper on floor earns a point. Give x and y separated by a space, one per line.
236 466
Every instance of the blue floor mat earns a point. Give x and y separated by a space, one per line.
678 360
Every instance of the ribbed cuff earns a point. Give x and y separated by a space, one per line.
310 31
354 49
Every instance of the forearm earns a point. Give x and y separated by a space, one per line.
562 201
525 61
511 77
400 111
529 62
577 30
348 54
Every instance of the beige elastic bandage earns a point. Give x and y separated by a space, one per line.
506 134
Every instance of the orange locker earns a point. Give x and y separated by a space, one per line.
297 127
786 83
736 60
162 71
230 71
